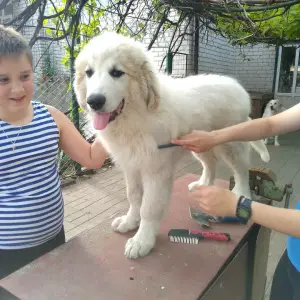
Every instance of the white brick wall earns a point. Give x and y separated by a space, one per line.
216 55
256 73
252 66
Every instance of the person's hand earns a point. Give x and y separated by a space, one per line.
197 141
213 200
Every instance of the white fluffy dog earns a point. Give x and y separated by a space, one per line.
134 109
272 108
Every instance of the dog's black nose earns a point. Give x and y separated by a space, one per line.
96 101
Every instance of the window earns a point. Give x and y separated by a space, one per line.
298 76
288 70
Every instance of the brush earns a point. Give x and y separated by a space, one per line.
163 146
194 236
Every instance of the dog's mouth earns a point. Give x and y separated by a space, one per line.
101 119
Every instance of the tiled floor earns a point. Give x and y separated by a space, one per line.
96 198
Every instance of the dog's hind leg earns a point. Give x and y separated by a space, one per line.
237 156
157 193
134 186
208 162
276 143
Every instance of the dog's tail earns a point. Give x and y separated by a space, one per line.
260 147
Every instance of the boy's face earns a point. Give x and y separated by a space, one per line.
16 84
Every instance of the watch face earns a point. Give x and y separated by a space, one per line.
244 213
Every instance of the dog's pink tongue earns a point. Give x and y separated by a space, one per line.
101 120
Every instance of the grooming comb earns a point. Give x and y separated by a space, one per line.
167 146
194 236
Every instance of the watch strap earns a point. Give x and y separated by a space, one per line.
243 209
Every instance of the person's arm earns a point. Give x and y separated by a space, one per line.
260 128
253 130
74 145
283 220
222 202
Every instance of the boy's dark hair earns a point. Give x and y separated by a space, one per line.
13 43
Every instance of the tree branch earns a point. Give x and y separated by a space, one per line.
39 23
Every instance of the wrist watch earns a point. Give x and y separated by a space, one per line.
243 209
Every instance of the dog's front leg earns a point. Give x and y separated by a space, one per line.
157 192
134 187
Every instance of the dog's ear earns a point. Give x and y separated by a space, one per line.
79 82
152 87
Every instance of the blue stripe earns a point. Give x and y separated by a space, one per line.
13 131
33 242
32 180
26 153
45 190
29 139
50 152
32 204
36 226
35 172
49 211
36 185
41 171
37 233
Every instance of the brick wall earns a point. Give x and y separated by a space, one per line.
252 66
216 55
182 61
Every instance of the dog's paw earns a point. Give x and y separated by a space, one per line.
277 144
136 247
192 186
124 224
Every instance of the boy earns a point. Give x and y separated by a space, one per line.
31 204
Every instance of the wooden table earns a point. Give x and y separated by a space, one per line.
93 266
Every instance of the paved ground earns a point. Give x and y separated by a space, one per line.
96 198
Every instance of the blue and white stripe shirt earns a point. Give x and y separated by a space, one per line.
31 204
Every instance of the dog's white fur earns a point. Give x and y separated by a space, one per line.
272 108
158 109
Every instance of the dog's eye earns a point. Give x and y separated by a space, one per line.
116 73
89 72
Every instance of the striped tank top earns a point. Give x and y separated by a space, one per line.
31 204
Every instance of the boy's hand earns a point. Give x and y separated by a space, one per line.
197 141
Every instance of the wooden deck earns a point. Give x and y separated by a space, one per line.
101 196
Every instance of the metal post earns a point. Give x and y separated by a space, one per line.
169 62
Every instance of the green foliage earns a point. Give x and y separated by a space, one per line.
270 26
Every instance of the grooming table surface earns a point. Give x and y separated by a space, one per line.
93 266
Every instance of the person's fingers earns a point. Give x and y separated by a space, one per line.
192 148
204 208
181 142
202 190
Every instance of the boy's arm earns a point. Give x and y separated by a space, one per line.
74 145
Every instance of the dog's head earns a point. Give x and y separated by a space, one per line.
274 105
113 73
